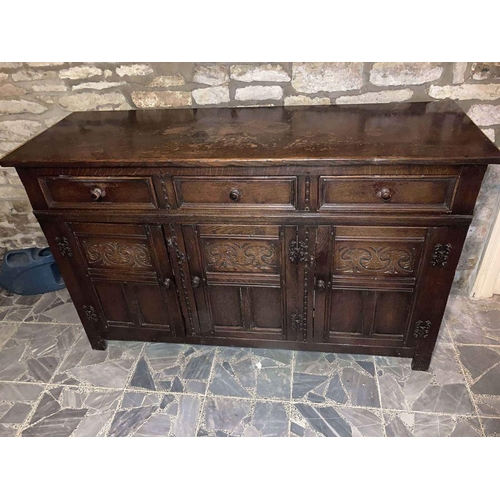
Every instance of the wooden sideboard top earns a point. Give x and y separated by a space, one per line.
429 133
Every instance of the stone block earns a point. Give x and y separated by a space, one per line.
259 73
485 92
30 75
134 70
485 115
303 100
166 81
79 72
377 97
328 77
49 87
162 99
21 106
9 90
97 85
10 192
3 76
214 74
88 101
21 206
7 147
259 93
211 95
45 64
459 72
490 133
18 130
485 70
10 65
389 74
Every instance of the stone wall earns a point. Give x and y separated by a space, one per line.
34 96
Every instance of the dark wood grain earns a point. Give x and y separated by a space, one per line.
332 228
420 132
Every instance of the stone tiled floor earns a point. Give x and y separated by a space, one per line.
53 384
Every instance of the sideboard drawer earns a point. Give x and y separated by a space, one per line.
432 193
237 192
90 192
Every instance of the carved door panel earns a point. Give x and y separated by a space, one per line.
365 283
131 278
242 282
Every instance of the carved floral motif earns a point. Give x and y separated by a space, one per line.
243 257
385 260
117 254
90 313
440 255
63 246
422 329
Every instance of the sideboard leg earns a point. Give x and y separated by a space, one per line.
421 363
97 342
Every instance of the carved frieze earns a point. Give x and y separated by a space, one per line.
247 256
375 260
114 254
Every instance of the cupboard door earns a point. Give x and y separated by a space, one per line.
242 283
131 278
365 283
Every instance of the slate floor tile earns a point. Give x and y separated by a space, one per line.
231 417
488 406
109 369
6 331
16 402
441 389
491 426
70 411
473 322
409 424
34 351
335 378
482 365
174 368
309 420
156 414
252 373
54 307
15 307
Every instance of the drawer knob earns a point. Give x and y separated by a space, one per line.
321 285
234 195
195 281
97 193
167 282
385 194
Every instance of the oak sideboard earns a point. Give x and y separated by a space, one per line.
325 228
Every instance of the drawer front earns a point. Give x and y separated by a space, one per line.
377 193
89 192
278 193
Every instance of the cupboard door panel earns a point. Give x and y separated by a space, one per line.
131 277
241 280
345 311
113 302
365 283
226 308
391 314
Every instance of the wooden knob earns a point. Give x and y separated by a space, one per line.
97 193
195 281
321 285
385 194
167 282
234 195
